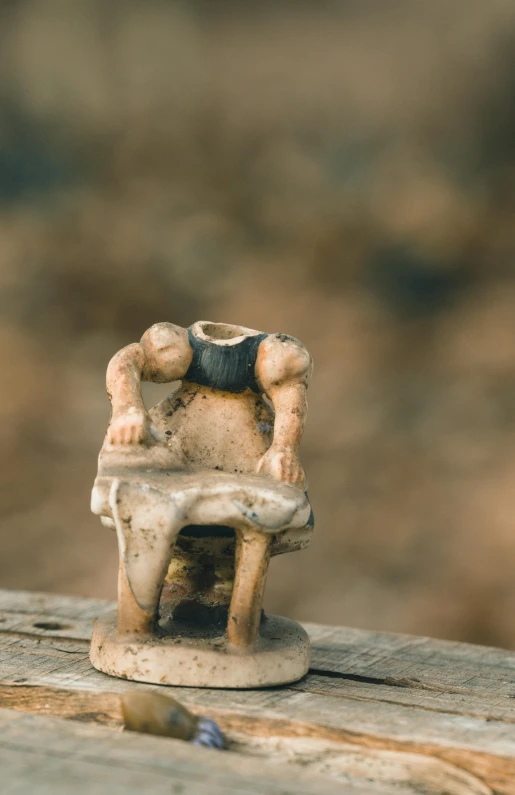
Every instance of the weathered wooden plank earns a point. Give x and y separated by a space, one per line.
72 607
377 771
337 665
58 757
377 694
374 657
420 663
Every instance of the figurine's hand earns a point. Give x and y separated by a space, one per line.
131 427
283 463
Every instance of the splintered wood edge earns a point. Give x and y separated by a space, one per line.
48 754
245 731
330 705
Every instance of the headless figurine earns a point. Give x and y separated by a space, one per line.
202 491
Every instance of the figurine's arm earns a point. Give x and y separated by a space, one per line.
283 369
162 355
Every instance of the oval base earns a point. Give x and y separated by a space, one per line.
281 655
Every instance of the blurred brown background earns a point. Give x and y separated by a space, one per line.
340 171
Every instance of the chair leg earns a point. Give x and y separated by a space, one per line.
252 559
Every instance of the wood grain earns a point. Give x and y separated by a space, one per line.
376 710
51 755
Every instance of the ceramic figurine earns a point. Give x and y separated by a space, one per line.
202 490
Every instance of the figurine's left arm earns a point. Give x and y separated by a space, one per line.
283 370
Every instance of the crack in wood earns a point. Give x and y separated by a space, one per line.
44 636
390 681
368 680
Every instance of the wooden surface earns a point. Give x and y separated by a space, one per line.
377 713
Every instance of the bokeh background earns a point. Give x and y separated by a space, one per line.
341 171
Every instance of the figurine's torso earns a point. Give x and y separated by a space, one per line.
240 407
227 367
217 419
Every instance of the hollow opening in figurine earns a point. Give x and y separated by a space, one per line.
222 331
206 531
200 579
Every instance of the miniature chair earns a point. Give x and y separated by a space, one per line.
196 528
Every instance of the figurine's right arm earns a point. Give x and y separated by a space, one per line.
162 355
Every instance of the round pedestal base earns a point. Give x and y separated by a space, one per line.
280 655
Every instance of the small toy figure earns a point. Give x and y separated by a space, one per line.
202 490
